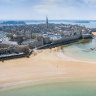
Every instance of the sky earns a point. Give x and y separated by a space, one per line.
54 9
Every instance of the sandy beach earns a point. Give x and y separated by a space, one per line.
45 65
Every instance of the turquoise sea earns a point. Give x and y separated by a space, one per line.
54 89
81 50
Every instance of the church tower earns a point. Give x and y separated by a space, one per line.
47 25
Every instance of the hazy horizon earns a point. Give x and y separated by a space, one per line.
45 20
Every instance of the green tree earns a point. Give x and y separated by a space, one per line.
9 36
33 36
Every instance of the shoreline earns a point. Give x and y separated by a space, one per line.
49 80
54 44
46 67
70 58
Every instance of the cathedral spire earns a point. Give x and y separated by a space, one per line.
47 22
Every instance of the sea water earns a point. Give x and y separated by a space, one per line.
54 89
87 23
81 50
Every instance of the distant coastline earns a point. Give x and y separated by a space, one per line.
87 23
13 22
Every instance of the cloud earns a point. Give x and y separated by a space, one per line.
91 3
54 9
64 9
12 1
52 1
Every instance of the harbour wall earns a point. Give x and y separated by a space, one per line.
65 40
11 56
52 44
